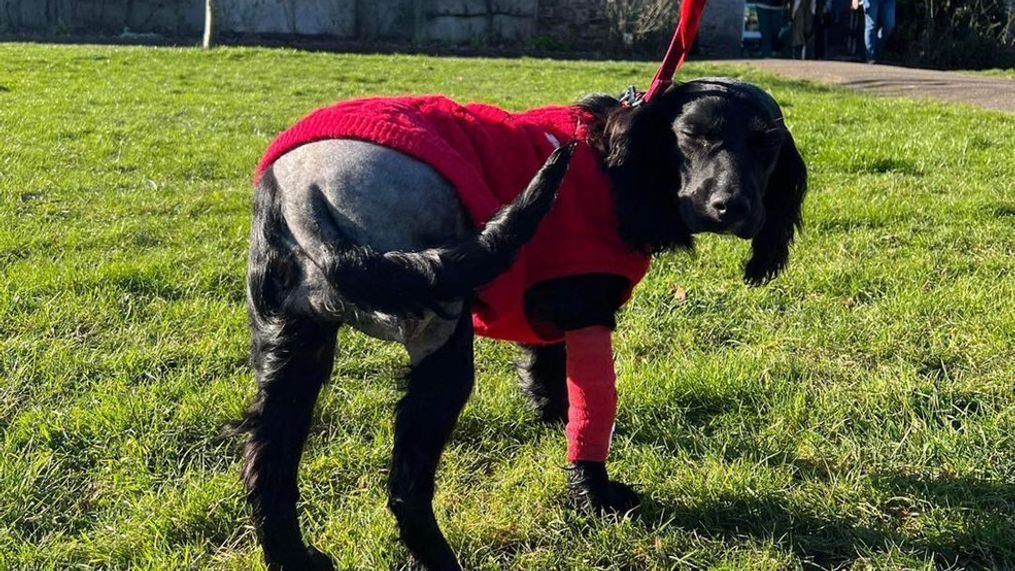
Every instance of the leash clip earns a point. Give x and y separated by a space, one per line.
632 97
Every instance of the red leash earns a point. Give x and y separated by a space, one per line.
680 46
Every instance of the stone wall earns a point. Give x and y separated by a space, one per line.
283 17
573 24
548 24
461 21
1010 26
722 26
584 25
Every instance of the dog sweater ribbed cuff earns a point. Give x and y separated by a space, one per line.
591 392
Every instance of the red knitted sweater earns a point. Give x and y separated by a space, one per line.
489 156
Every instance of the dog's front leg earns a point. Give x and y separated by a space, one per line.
592 410
576 379
542 376
439 384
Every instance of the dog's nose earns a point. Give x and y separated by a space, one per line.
729 208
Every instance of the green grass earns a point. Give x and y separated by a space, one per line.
858 412
1005 73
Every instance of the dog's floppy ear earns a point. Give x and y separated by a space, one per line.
639 155
783 200
626 134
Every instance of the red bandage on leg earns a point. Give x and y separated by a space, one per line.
591 392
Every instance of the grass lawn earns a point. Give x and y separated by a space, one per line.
858 412
1004 73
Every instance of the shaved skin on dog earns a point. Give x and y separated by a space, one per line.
425 222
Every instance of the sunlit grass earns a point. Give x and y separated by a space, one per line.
857 412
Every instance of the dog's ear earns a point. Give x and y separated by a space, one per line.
639 153
622 136
783 200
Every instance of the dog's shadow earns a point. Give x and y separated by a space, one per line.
956 522
967 522
828 516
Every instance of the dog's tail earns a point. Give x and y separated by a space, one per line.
409 283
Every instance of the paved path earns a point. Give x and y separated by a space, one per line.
949 86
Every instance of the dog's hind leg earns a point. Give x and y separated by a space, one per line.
542 374
292 355
291 361
439 384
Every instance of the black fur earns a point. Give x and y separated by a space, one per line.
556 306
650 157
437 390
638 150
783 201
272 272
542 376
291 366
292 357
408 283
647 166
591 488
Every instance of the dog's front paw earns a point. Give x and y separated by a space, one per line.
448 565
591 488
318 560
309 559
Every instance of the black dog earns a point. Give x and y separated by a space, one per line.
332 244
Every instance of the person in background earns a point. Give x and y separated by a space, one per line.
804 14
879 21
840 35
771 18
854 32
